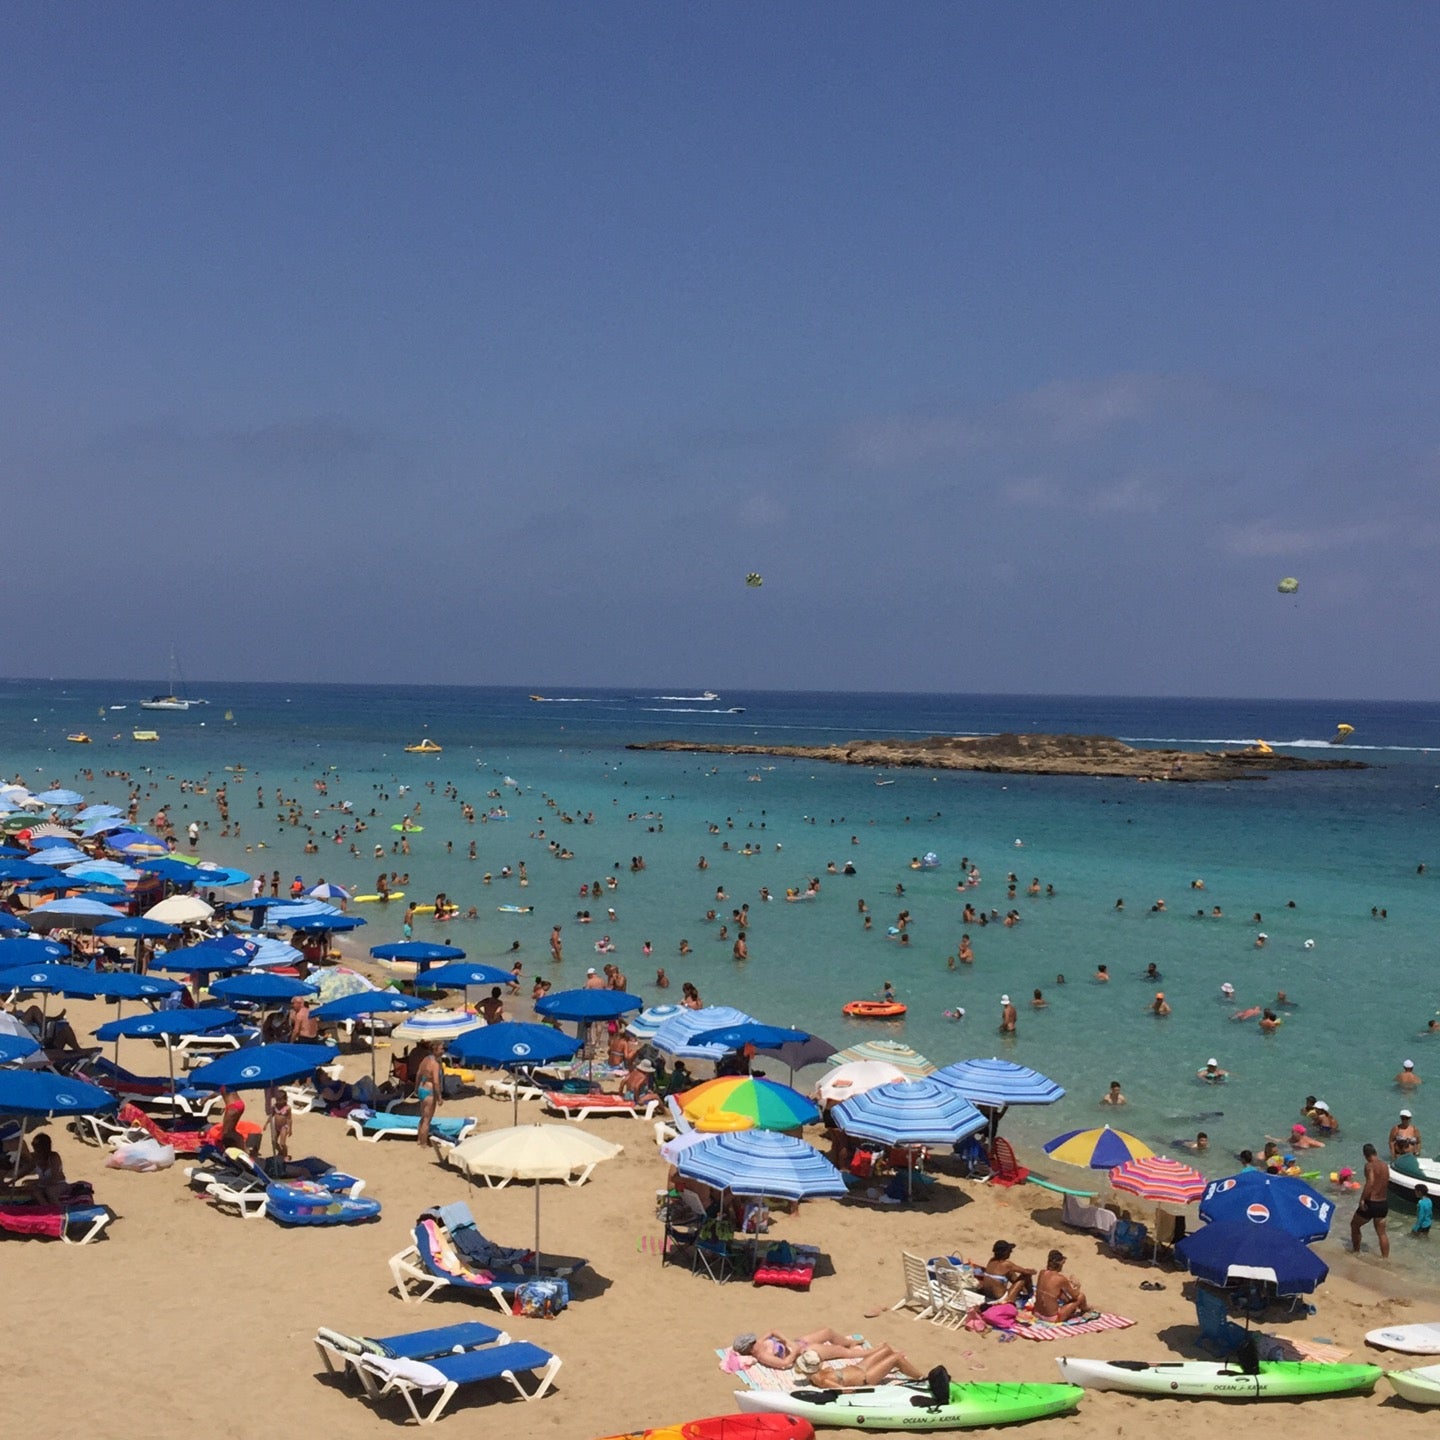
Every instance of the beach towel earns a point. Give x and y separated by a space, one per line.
777 1382
1285 1347
1040 1330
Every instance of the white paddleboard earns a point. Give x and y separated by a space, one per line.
1410 1339
1419 1387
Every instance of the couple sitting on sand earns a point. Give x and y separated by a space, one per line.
826 1358
1058 1297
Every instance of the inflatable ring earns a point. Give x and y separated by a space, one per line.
873 1009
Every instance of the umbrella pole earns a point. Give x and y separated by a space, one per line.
537 1229
20 1149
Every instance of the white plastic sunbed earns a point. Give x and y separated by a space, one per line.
341 1352
417 1380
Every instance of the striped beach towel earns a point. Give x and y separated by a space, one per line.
1041 1331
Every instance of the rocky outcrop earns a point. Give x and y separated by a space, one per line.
1030 755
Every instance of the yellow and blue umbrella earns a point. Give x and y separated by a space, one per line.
1101 1149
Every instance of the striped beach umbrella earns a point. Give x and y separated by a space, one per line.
902 1057
426 1025
644 1025
1101 1149
745 1102
1000 1083
761 1162
911 1112
678 1035
1158 1178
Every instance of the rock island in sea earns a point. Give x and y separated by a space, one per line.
1030 755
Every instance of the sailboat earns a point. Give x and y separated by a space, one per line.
175 698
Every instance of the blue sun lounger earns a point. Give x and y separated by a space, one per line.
434 1263
341 1353
383 1126
416 1380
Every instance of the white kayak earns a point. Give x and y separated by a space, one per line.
1214 1380
916 1405
1419 1387
1422 1339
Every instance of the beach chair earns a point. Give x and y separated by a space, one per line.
417 1380
341 1352
675 1126
76 1225
582 1107
507 1262
150 1091
1219 1334
235 1181
953 1299
380 1125
97 1129
137 1125
1004 1169
1129 1239
432 1264
919 1293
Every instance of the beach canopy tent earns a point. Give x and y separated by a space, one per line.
461 975
1236 1250
417 952
895 1052
255 1066
743 1102
1281 1202
909 1112
587 1005
1097 1149
761 1163
533 1153
678 1035
261 989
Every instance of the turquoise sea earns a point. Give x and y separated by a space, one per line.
1336 844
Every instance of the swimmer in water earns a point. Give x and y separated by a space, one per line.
1151 973
1212 1073
1199 1145
1102 973
1159 1005
1227 991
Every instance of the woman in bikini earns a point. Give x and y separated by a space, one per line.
775 1352
854 1374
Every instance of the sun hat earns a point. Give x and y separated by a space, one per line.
807 1362
1407 1064
1004 999
1297 1129
1212 1061
1405 1115
647 1066
1321 1105
591 970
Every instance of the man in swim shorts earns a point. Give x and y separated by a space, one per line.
1374 1203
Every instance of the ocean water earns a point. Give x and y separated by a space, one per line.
1336 844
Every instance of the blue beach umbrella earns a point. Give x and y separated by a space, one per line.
762 1162
513 1045
261 989
333 924
58 839
13 870
909 1112
61 854
207 958
173 872
418 952
325 890
999 1083
53 979
166 1024
28 950
749 1032
12 924
587 1005
17 1047
1236 1250
137 927
120 985
99 812
38 1092
92 828
94 881
79 913
112 868
60 799
364 1003
644 1025
260 1065
1280 1202
678 1035
137 843
461 975
219 876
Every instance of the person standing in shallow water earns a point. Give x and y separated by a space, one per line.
1374 1203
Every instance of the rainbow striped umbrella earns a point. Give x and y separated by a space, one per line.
744 1102
1101 1149
1159 1178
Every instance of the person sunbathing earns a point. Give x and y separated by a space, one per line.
775 1352
1058 1297
852 1375
1002 1279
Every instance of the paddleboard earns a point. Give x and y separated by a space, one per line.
1419 1387
515 909
365 899
1215 1380
409 829
728 1427
1422 1339
911 1406
1045 1184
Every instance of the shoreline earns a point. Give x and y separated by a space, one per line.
1014 754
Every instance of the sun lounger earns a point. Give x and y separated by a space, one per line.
234 1181
341 1353
154 1091
435 1262
78 1225
582 1107
414 1380
137 1125
381 1126
787 1265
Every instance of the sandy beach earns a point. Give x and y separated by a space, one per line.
185 1319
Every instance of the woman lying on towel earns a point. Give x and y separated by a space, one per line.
851 1375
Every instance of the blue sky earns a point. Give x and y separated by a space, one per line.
1020 348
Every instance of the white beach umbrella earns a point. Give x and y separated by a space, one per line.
180 910
436 1025
855 1077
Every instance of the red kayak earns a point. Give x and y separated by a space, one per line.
728 1427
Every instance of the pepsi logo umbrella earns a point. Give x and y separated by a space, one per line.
72 980
27 950
1235 1250
762 1162
912 1112
1000 1083
259 1065
513 1045
1278 1202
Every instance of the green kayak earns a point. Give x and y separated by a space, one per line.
1214 1380
917 1405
